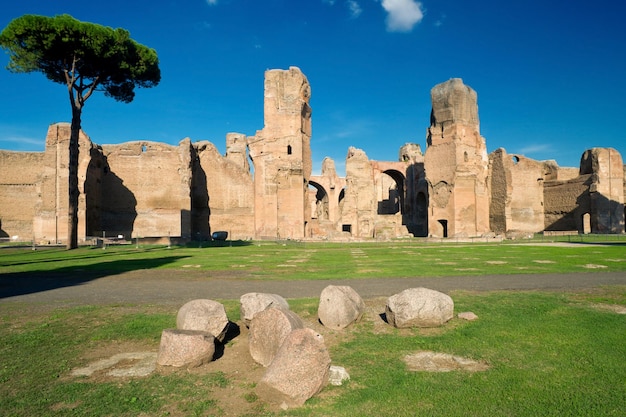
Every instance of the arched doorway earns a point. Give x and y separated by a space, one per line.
390 190
319 207
444 227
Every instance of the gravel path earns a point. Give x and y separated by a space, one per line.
178 286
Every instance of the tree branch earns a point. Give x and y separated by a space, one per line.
91 88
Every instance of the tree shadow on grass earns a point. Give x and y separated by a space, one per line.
22 283
94 253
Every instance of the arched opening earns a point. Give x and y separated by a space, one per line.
288 149
319 204
342 195
444 227
422 215
515 159
390 191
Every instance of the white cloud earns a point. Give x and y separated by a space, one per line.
22 143
402 14
211 2
534 148
355 8
439 22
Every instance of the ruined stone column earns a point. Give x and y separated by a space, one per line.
358 208
456 164
281 154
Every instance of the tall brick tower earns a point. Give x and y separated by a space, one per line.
456 163
281 154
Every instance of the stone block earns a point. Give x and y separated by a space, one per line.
340 306
268 330
299 371
203 315
419 307
255 302
185 348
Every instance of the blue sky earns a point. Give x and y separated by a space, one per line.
550 75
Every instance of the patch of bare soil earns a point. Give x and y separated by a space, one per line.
241 371
594 266
614 308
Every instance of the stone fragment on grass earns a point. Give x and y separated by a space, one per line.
142 364
189 348
203 315
255 302
339 306
268 330
298 372
337 375
467 315
419 307
428 361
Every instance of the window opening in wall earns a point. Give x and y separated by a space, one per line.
144 148
288 149
342 195
346 228
250 162
515 159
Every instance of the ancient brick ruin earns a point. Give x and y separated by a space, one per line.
263 187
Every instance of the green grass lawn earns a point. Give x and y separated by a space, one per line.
549 356
328 261
550 353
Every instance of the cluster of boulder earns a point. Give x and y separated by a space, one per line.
297 362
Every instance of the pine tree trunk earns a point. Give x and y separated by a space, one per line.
72 233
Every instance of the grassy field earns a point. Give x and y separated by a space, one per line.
550 353
293 261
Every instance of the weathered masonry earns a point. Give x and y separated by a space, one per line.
263 187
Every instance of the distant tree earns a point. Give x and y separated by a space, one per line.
85 57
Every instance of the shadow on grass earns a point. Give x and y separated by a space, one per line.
217 243
92 253
22 283
601 243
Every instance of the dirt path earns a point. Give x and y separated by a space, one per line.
178 286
